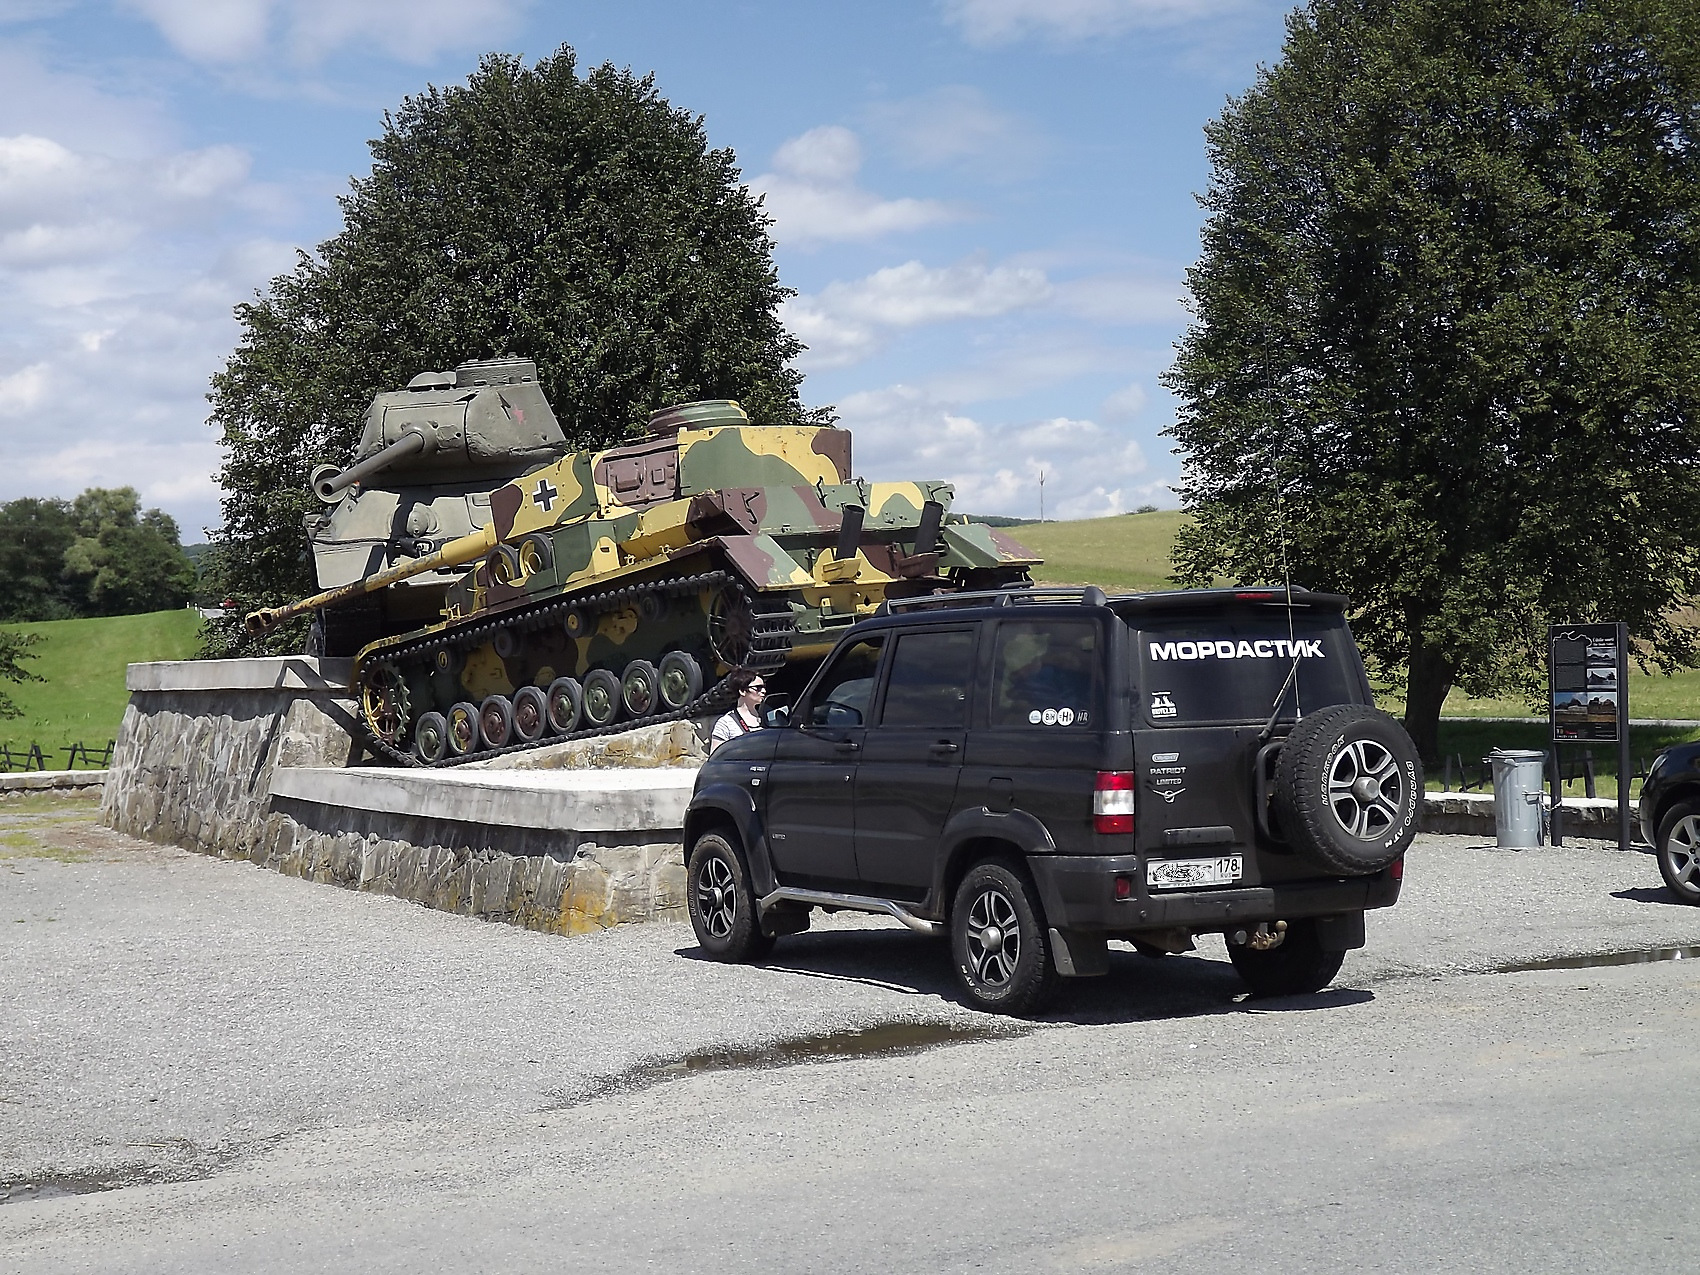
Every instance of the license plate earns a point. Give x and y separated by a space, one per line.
1180 874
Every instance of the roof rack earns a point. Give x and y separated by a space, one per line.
1090 596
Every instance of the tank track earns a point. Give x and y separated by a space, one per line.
771 636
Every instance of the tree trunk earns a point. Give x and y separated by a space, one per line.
1431 676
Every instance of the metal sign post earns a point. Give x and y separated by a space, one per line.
1588 693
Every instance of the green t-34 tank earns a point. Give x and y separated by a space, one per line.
615 588
428 458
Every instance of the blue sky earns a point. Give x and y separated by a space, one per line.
986 207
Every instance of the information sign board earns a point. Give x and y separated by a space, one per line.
1587 666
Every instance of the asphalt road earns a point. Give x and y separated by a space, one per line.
208 1067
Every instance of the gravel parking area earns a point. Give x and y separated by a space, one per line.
164 1013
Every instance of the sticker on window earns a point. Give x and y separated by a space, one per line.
1057 717
1161 704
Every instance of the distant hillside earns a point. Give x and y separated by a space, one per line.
1128 552
83 661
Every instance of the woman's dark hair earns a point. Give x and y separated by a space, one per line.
741 680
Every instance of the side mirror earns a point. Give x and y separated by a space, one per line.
780 716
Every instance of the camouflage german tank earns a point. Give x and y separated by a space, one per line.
429 456
616 588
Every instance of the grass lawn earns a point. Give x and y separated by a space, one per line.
83 661
1127 553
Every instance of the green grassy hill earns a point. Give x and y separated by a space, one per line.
83 661
1124 554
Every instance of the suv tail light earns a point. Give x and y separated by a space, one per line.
1112 801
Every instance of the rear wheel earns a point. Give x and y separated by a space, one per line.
1678 848
721 902
999 941
1297 967
601 697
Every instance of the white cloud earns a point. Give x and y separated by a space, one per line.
812 195
987 22
909 432
1125 403
230 32
1124 298
846 322
75 110
956 127
117 278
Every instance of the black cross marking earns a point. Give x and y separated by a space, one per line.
544 496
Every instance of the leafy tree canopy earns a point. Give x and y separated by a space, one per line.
100 554
580 221
1446 356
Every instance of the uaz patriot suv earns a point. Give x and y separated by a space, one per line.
1035 772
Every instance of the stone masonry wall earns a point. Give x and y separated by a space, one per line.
193 767
559 881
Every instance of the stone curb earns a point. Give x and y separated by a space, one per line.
652 800
289 673
64 780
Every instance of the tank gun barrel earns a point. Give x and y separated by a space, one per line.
456 553
329 486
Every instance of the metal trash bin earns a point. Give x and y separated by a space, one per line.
1517 793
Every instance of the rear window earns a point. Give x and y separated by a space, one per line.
1229 667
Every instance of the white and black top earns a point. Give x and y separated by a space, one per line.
740 721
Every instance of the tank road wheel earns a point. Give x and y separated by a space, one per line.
638 688
463 729
566 699
576 624
431 738
601 697
496 721
531 714
731 621
681 679
383 703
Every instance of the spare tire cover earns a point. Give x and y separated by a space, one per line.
1348 787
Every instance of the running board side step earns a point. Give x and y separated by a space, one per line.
853 903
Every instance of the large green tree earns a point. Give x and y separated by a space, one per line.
14 650
580 221
1446 356
34 535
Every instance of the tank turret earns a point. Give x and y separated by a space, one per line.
428 458
610 589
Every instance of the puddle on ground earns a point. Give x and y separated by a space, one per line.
886 1041
1638 956
52 1187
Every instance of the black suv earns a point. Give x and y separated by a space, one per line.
1036 772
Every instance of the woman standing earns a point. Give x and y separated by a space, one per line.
746 713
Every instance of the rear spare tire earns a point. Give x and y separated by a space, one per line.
1348 788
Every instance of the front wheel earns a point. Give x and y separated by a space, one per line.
999 941
721 902
1298 967
1678 846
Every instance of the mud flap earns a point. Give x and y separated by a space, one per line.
1079 954
1340 933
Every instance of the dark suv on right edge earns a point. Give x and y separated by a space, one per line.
1036 772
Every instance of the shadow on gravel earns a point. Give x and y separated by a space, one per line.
1137 988
1650 894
